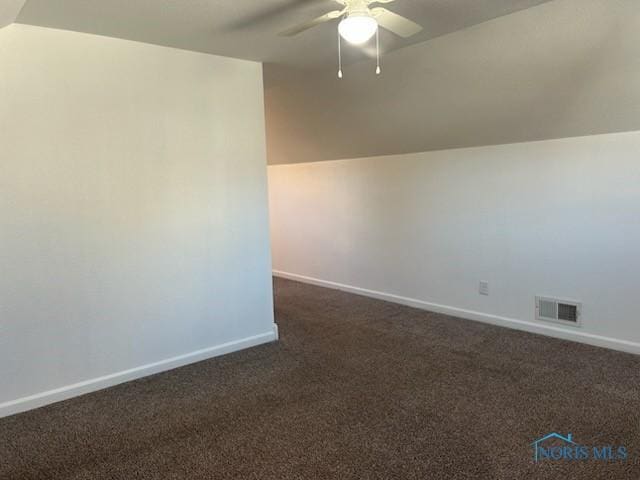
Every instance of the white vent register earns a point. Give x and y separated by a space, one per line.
566 312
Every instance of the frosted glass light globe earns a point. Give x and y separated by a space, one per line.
357 29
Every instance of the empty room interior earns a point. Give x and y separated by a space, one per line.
319 239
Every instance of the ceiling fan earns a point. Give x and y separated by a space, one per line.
360 21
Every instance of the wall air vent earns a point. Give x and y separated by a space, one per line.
566 312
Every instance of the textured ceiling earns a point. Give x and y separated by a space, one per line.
248 28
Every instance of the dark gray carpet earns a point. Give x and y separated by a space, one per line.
356 389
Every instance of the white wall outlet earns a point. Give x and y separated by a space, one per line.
484 288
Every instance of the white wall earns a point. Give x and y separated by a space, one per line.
558 218
133 213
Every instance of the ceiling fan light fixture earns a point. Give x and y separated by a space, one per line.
357 29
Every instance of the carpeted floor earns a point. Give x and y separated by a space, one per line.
356 389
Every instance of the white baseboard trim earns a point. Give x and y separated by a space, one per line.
532 327
69 391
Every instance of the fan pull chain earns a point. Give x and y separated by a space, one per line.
378 70
339 56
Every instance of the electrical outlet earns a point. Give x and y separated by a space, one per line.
484 288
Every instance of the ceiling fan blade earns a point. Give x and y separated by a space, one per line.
395 23
311 23
266 13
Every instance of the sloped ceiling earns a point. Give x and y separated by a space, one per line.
483 71
9 10
561 69
248 28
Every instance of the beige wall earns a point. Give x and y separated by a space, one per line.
133 211
564 68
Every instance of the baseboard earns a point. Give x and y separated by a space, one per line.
92 385
548 330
